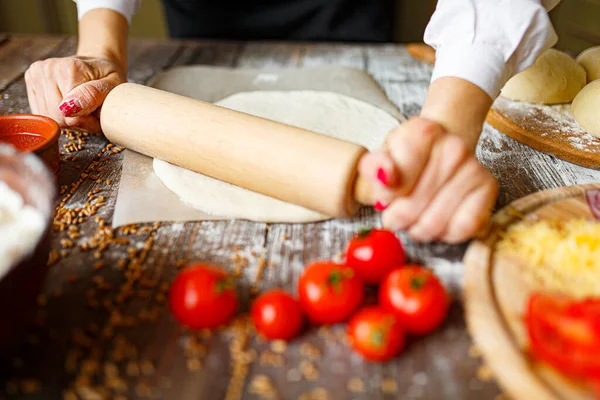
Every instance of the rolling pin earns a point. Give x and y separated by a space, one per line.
285 162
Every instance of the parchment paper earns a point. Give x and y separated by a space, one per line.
143 198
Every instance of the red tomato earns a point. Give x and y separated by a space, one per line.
376 334
595 387
329 292
565 333
203 297
277 315
373 253
417 298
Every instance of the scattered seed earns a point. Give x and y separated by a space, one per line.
389 385
309 371
147 368
309 350
132 369
356 385
278 346
53 257
485 374
474 351
30 386
270 358
194 364
262 387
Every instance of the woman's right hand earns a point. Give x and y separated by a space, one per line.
71 90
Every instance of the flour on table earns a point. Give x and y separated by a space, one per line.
326 113
265 78
21 226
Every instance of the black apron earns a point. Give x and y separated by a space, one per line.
300 20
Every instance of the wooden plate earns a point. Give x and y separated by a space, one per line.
549 129
495 294
421 52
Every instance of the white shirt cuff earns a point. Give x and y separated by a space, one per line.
127 8
482 65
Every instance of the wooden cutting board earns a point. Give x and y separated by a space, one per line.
495 295
549 129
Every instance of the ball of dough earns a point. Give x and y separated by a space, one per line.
585 108
553 79
590 60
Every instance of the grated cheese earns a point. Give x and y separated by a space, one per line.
563 256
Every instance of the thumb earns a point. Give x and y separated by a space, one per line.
87 97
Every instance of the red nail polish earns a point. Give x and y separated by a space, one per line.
379 206
69 108
382 176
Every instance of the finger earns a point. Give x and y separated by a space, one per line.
473 214
410 146
32 97
381 194
31 77
378 166
87 97
433 221
52 98
447 157
87 123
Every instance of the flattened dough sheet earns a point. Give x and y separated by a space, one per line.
143 198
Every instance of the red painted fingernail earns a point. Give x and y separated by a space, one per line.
379 206
382 176
69 108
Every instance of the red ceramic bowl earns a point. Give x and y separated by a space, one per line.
35 134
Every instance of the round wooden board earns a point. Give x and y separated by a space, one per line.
421 52
495 295
549 129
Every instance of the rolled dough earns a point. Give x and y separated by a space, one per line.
327 113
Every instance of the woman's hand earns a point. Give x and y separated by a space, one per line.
71 90
430 184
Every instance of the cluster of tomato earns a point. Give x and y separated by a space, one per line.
411 298
565 333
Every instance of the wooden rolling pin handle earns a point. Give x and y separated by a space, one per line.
363 191
288 163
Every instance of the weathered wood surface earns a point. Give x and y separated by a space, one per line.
78 296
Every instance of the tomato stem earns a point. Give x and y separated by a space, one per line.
378 338
224 284
364 232
417 282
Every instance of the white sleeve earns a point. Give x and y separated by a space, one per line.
486 42
125 7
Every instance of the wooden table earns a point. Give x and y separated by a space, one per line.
90 333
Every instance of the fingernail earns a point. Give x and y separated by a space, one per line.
379 206
382 176
69 108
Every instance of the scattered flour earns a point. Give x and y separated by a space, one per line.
552 120
21 226
265 78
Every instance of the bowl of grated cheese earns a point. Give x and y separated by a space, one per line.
27 193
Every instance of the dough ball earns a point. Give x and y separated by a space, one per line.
585 108
590 60
553 79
